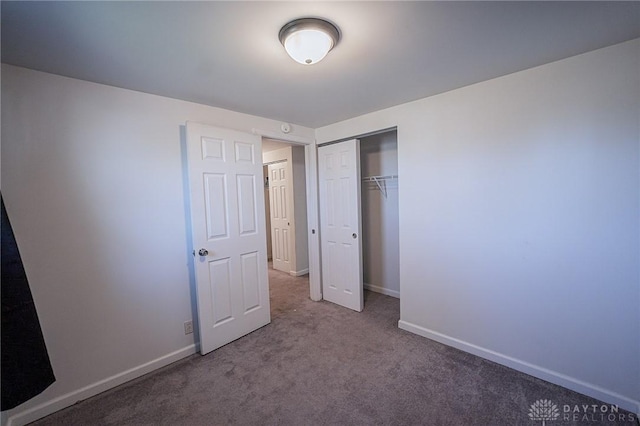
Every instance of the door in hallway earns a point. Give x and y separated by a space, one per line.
280 199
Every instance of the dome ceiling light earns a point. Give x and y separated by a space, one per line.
308 40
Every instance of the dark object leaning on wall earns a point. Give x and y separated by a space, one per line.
25 367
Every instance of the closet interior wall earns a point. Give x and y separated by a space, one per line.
380 224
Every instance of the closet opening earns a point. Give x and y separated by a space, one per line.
359 224
379 212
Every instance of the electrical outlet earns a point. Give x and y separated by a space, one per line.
188 327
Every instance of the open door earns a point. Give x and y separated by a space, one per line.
340 224
229 235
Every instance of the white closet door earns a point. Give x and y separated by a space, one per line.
340 223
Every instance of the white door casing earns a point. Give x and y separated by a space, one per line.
280 199
228 225
313 221
340 223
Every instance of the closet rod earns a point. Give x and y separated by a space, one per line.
380 182
376 178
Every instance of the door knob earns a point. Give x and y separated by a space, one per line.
354 235
203 252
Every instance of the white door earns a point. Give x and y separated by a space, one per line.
280 220
340 227
229 237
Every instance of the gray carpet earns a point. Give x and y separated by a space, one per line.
318 363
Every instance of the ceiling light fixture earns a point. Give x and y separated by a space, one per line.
308 40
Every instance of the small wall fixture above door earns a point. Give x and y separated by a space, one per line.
308 40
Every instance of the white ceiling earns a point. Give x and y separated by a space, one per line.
227 54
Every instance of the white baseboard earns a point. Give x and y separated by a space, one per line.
67 400
377 289
551 376
299 273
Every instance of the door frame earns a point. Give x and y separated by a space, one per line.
311 177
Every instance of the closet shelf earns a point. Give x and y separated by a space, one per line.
381 182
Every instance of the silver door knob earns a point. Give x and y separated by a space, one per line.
203 252
354 235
